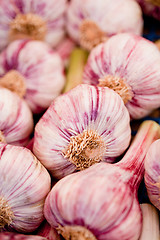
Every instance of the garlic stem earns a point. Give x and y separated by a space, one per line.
133 160
150 227
28 26
2 138
14 81
77 62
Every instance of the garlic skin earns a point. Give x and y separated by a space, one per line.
17 236
150 7
25 184
45 230
134 74
21 19
84 126
100 203
102 13
40 70
16 120
152 173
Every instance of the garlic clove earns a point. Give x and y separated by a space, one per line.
25 184
40 69
75 69
90 22
42 20
150 228
134 74
16 120
86 125
17 236
152 173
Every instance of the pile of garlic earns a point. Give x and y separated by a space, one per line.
74 77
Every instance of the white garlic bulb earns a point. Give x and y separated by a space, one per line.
152 173
16 120
37 20
130 65
33 70
82 127
24 186
90 22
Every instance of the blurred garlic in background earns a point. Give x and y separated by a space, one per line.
18 236
36 20
130 65
152 173
84 126
91 22
16 120
150 8
24 186
33 70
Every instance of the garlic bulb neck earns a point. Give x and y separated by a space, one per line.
6 214
85 149
75 233
28 26
91 35
154 2
14 81
118 85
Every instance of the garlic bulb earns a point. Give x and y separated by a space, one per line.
48 232
16 121
17 236
82 127
91 22
100 203
34 71
150 7
25 184
152 173
37 20
130 65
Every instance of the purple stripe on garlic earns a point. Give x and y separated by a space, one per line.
24 185
38 69
90 22
152 173
16 120
47 231
130 65
100 203
17 236
37 20
86 125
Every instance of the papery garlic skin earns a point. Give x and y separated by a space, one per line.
51 12
45 230
16 120
25 184
84 108
103 198
17 236
41 68
150 7
111 17
152 173
134 60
